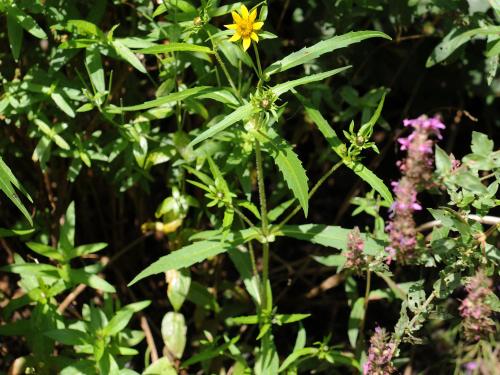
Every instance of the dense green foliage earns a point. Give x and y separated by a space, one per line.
179 197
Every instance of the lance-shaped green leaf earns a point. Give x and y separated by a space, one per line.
26 22
93 63
7 183
15 36
373 180
45 250
340 149
175 47
33 269
59 99
241 113
355 318
310 53
289 164
122 317
210 352
167 99
84 27
126 54
366 129
184 257
330 236
85 249
181 5
452 42
14 232
282 88
80 276
51 134
68 336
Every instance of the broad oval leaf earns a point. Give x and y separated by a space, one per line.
173 331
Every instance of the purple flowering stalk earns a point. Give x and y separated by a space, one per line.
416 170
380 354
356 259
476 314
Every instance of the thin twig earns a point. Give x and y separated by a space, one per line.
489 220
149 339
70 298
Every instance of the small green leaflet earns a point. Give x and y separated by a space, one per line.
241 113
184 257
289 164
310 53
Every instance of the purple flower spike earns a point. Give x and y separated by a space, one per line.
476 314
379 361
416 170
356 259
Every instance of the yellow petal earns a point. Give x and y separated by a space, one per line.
235 37
246 43
258 25
232 26
244 11
236 17
253 15
254 36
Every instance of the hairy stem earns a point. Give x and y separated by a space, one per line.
265 229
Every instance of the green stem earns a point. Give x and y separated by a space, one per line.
366 300
224 68
243 217
257 57
311 193
265 229
226 73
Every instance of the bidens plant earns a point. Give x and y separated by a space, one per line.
180 192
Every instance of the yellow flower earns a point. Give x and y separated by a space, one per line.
245 27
